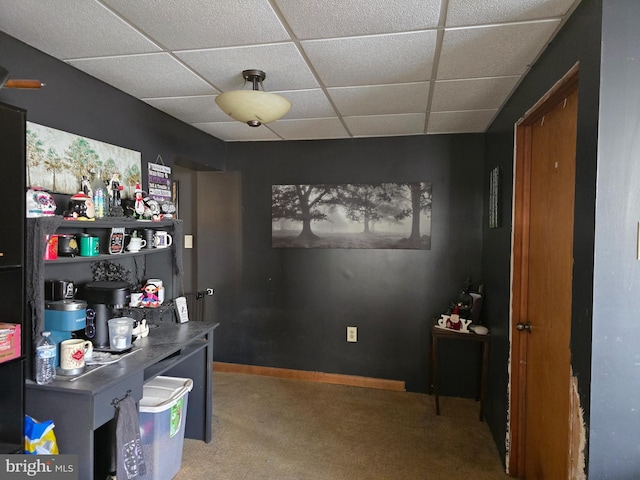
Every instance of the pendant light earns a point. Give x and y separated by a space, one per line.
253 107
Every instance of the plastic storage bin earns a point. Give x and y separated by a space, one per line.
163 411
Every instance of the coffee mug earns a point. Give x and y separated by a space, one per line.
89 246
136 299
73 353
148 236
136 243
162 239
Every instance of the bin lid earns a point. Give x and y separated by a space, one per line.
162 393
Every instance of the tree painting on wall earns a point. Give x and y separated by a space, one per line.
57 161
380 215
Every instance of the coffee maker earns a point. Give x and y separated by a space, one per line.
105 300
62 318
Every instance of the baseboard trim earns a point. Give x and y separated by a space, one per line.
334 378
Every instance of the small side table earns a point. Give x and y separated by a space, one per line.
438 333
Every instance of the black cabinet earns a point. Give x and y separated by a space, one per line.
12 197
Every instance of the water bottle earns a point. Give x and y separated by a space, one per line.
99 194
45 359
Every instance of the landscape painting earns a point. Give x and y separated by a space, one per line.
381 215
58 161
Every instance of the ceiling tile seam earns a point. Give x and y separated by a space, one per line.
313 71
464 79
444 7
471 110
503 24
158 44
126 21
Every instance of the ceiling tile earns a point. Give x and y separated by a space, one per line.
471 94
387 125
358 17
237 132
71 28
283 64
475 121
196 109
146 76
373 60
309 129
492 51
381 99
308 104
473 12
187 24
349 67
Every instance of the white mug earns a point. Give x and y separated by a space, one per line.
73 353
136 298
162 239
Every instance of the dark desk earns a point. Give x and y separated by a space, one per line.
79 408
438 333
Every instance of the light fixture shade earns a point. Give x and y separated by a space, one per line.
253 107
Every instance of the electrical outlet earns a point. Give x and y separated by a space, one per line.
352 334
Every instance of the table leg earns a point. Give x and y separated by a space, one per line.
484 375
434 371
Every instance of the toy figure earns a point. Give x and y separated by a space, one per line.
85 186
150 295
138 205
114 190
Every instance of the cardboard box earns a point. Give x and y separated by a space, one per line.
9 341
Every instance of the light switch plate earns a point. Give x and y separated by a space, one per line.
188 241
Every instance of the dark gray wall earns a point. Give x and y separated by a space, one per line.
78 103
578 41
296 303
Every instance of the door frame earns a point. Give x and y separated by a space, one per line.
519 267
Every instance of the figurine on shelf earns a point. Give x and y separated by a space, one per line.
40 203
453 322
115 189
81 207
138 205
150 296
85 186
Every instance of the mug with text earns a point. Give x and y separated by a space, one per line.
162 239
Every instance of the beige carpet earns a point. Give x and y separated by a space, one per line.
269 428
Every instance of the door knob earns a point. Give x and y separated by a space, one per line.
523 327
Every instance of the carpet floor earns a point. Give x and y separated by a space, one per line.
267 428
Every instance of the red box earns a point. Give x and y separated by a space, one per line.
9 341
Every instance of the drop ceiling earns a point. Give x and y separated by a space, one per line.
351 68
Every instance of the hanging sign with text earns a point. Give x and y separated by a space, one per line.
159 182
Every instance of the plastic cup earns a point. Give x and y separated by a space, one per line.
120 333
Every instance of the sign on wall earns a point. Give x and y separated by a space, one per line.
160 187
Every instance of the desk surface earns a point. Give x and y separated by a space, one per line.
448 332
161 343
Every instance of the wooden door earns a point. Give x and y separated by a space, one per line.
543 267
